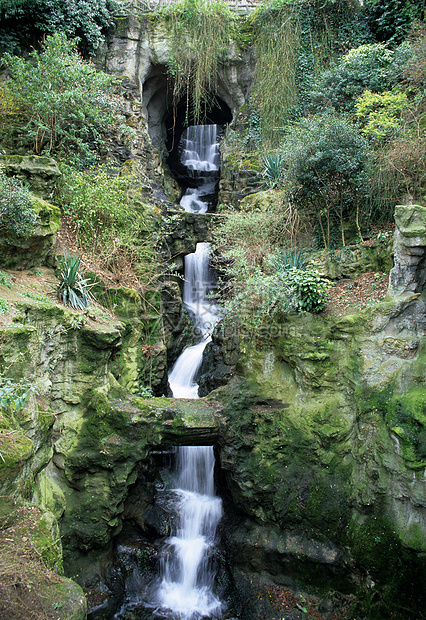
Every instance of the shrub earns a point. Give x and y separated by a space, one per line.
24 22
16 213
310 288
372 67
327 162
67 106
109 224
73 290
381 113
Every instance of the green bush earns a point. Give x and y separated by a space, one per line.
372 67
16 213
68 108
327 162
310 288
109 224
24 22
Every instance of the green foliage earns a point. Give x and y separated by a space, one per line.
73 290
258 232
310 288
272 172
145 392
293 42
381 113
5 279
327 160
16 213
292 258
25 22
13 396
390 20
4 308
109 225
372 67
256 296
200 32
68 107
274 92
253 137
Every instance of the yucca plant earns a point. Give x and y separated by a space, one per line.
73 290
273 164
289 259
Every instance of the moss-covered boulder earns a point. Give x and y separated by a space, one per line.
40 173
321 443
33 251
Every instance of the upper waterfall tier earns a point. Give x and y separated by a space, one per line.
199 154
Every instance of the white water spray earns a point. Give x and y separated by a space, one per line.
186 590
187 573
197 284
200 155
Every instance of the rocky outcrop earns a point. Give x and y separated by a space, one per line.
408 276
40 173
322 443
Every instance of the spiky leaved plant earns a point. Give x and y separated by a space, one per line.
293 258
73 290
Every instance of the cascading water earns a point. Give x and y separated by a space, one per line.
186 587
204 314
200 156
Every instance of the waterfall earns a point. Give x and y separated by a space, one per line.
186 586
199 153
204 314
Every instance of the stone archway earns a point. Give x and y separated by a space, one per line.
140 53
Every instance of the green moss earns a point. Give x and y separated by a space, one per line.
49 216
404 415
46 537
397 571
15 449
101 420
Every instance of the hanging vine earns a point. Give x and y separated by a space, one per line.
294 40
200 34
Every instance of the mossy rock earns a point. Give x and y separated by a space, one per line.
26 253
15 449
41 173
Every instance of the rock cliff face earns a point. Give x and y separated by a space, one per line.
320 434
322 440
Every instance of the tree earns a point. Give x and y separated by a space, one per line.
24 22
327 159
67 105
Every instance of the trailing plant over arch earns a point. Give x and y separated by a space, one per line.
200 33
